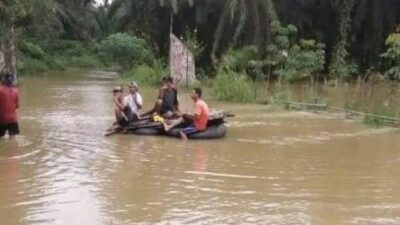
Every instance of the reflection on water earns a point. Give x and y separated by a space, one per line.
272 168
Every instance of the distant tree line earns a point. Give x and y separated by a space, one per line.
277 39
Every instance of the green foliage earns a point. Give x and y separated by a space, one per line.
55 56
68 48
340 66
303 61
55 63
29 65
145 74
290 60
31 49
277 51
232 86
239 59
354 30
85 61
125 50
194 44
283 36
392 56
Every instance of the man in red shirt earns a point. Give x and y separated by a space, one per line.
199 118
9 103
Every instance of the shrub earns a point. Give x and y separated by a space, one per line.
303 60
239 59
392 57
232 86
32 50
55 63
85 61
125 50
29 65
144 74
64 47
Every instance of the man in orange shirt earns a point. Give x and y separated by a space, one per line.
199 118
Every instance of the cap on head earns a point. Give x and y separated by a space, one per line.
117 89
134 84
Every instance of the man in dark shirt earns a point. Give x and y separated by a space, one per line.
167 104
168 98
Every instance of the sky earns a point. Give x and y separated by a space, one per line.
98 2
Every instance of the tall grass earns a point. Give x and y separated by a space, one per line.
232 86
85 61
146 74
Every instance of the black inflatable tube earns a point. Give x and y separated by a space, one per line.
212 132
147 131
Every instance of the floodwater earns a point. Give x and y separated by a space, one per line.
272 168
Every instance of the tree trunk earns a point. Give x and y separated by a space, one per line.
8 50
2 56
13 53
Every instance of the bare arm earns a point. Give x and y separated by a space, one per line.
189 116
120 106
161 93
17 100
176 101
139 101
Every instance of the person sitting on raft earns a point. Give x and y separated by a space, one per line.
123 113
134 101
199 117
167 104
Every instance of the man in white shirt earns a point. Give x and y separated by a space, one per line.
134 101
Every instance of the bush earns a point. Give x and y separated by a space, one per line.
125 50
392 57
55 63
239 59
303 60
85 61
149 75
232 86
32 50
65 47
29 65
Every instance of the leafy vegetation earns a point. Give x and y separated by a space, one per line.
145 74
392 57
232 86
285 40
125 50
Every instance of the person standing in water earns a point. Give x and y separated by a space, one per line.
9 103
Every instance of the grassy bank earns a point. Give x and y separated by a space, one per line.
37 57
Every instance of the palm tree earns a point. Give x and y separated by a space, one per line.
249 21
11 12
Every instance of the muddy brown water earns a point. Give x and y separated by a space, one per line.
273 167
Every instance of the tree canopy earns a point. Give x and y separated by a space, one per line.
353 32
